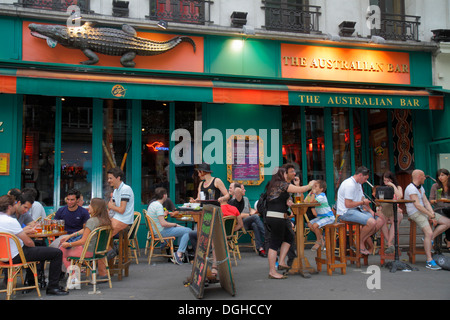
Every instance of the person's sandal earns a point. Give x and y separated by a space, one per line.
316 246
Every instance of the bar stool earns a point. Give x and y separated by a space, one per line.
353 241
413 249
330 245
120 264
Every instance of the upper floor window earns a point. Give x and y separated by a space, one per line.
184 11
56 5
394 23
291 16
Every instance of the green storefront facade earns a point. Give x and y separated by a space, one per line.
327 127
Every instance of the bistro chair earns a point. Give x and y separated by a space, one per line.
14 269
132 236
229 223
101 236
156 239
147 242
251 234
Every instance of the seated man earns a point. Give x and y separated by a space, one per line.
168 229
354 207
74 217
252 221
32 253
421 212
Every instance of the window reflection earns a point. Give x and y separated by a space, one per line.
39 146
341 145
315 144
292 146
116 139
155 148
186 181
76 147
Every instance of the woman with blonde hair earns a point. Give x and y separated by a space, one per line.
72 245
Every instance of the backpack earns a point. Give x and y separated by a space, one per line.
261 206
442 261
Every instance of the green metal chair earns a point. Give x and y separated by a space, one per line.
101 236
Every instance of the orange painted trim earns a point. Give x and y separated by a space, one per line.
249 96
112 78
436 102
8 84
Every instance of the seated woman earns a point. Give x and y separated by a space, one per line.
72 245
388 233
168 229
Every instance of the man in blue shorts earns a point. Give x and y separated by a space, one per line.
354 207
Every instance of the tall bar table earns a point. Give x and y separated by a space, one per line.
301 265
396 264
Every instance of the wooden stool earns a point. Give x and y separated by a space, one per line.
330 244
119 265
355 257
413 250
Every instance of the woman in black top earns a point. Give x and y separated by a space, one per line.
278 192
212 188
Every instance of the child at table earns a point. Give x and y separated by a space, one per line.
323 213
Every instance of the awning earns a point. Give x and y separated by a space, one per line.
118 86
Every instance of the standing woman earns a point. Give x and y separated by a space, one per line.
388 233
442 182
278 191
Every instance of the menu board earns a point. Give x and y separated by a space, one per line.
211 228
4 164
244 159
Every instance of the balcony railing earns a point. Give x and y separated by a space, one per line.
56 5
291 17
183 11
398 27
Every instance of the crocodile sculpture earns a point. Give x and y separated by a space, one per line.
109 41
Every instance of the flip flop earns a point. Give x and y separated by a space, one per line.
272 277
364 252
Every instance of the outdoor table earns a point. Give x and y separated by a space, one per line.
47 235
301 265
184 213
396 264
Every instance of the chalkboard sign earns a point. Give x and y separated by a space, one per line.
211 229
245 156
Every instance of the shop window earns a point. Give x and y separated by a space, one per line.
76 147
379 143
186 181
357 137
155 148
315 144
39 145
116 140
341 145
292 146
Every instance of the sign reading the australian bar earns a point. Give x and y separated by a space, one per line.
344 64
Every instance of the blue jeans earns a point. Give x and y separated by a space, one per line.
356 215
254 223
178 232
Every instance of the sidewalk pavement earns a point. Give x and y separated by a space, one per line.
163 281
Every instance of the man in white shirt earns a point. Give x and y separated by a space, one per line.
353 206
31 252
422 213
122 201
